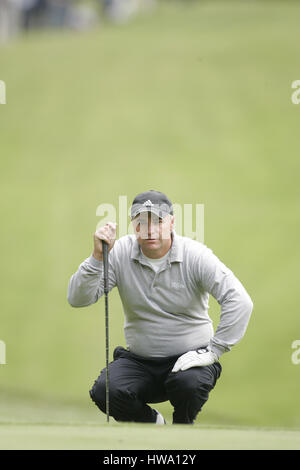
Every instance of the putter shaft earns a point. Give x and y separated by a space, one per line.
105 265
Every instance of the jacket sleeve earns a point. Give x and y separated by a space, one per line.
236 304
86 286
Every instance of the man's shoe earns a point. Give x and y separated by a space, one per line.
159 418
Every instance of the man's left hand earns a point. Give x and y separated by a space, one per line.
200 358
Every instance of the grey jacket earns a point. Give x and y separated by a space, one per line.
166 313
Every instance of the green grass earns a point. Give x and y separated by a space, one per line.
195 102
115 436
37 424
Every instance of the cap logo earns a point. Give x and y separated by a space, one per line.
148 203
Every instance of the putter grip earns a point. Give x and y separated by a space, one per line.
105 265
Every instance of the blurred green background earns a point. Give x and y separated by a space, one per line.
193 100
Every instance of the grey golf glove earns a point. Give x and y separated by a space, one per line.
199 358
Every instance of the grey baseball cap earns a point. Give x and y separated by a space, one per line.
151 201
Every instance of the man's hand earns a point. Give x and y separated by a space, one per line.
107 234
200 358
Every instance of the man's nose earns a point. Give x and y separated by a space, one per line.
152 228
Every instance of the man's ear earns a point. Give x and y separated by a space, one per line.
172 222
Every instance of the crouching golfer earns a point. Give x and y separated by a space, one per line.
164 281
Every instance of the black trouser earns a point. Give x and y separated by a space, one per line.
135 381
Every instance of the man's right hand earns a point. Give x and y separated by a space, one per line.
107 234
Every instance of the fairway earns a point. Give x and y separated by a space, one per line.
117 436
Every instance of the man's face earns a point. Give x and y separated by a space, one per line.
153 233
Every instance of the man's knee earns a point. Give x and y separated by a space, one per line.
98 394
117 396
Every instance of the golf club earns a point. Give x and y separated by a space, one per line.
105 265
